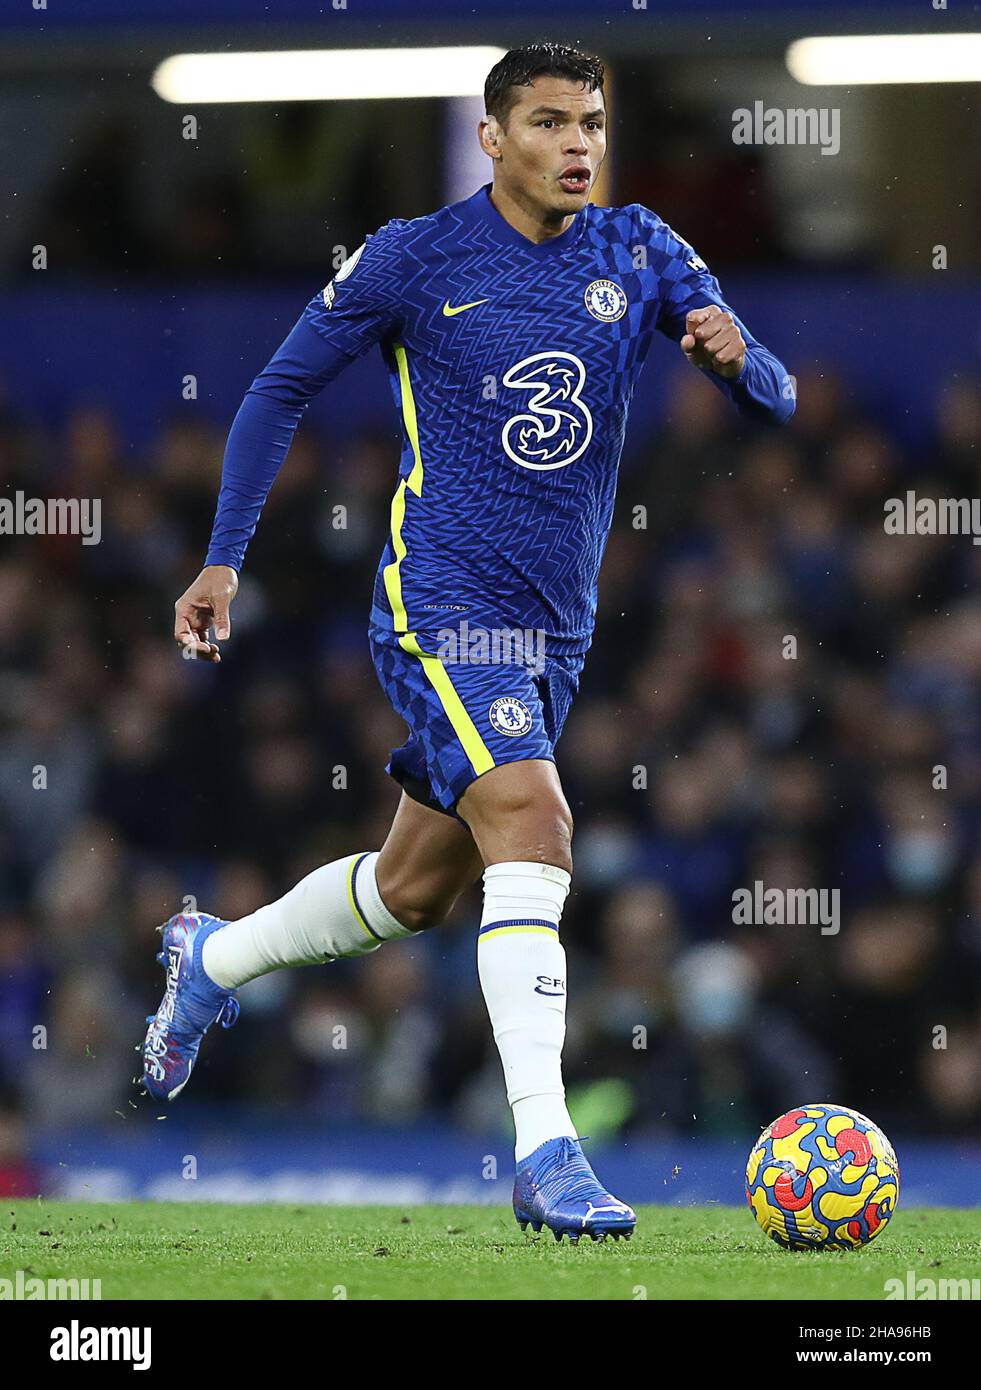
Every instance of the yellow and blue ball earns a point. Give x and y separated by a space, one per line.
822 1177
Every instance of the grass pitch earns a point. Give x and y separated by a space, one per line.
166 1250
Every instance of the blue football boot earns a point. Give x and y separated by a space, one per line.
555 1187
191 1003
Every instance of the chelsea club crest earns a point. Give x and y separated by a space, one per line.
606 301
510 716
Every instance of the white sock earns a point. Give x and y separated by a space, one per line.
335 911
521 964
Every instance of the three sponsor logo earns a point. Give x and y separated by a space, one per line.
556 425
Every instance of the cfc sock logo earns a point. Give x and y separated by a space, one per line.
547 985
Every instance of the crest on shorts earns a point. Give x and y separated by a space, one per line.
510 716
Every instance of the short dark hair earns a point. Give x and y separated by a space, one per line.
520 66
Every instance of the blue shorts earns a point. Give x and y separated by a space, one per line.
466 717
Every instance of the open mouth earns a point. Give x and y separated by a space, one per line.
575 179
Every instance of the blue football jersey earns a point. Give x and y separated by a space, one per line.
512 365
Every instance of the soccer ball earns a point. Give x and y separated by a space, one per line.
822 1177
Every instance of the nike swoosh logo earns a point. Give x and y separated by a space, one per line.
449 311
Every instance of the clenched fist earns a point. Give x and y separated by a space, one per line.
713 342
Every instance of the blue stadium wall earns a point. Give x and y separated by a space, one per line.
896 344
247 1159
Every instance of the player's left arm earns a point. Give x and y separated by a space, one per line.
695 314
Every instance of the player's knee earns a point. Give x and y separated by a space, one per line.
542 824
423 918
416 912
556 820
551 812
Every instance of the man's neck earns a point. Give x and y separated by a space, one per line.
527 220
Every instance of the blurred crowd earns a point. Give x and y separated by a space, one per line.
265 190
699 758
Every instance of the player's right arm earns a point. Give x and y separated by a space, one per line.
359 308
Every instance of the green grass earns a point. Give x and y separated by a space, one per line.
207 1250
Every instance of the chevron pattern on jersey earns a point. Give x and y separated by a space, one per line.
520 402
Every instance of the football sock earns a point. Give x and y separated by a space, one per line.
335 911
521 964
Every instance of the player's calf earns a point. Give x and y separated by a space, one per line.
335 912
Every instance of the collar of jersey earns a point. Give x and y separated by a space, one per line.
502 228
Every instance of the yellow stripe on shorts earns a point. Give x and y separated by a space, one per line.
453 707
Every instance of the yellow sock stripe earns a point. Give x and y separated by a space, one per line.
350 897
454 708
501 931
393 577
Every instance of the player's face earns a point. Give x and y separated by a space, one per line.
553 145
